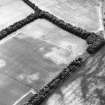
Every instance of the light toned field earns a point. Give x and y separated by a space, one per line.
12 11
35 54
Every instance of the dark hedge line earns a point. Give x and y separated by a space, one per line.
77 31
41 96
32 5
12 28
60 23
95 43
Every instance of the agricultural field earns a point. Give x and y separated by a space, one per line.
38 50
